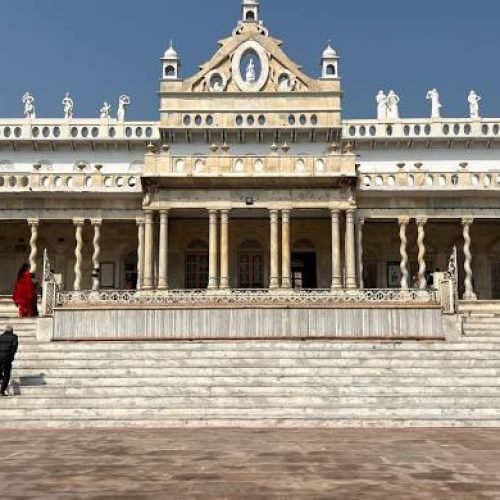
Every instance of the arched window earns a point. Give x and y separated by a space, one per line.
251 265
250 15
330 70
169 71
196 272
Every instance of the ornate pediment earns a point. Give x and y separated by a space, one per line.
250 61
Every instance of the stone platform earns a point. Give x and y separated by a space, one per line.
251 464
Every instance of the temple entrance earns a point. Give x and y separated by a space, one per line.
251 265
197 265
304 270
495 281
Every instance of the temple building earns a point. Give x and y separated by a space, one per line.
252 181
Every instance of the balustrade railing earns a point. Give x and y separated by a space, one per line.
244 297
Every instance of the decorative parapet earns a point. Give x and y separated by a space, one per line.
193 298
423 129
73 182
430 180
164 165
77 130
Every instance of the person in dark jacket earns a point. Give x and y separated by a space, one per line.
8 349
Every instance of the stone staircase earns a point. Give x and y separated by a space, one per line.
250 383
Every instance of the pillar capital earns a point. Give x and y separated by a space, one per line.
78 221
164 212
96 222
467 221
140 221
33 222
404 220
285 215
335 212
360 221
224 216
421 221
213 211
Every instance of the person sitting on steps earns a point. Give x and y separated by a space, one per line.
8 349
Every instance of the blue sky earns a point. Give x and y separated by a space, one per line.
99 49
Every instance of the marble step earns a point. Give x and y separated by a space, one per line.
253 371
93 380
287 423
37 355
201 363
252 401
102 391
123 414
291 347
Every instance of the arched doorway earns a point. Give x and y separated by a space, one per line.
304 270
250 265
130 269
196 271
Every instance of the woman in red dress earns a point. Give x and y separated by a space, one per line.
25 295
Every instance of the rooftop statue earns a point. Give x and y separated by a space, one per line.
123 102
105 111
29 106
433 96
393 101
68 106
474 100
250 75
381 105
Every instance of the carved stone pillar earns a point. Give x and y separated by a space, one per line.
422 268
148 278
469 287
33 223
274 271
336 268
163 251
224 249
78 223
350 249
360 226
96 264
403 224
212 249
286 258
140 252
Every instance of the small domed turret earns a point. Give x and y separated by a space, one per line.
250 9
171 64
330 63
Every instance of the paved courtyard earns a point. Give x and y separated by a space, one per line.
250 464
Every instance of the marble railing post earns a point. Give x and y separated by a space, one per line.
140 251
469 287
78 223
403 224
286 258
274 271
33 223
360 226
336 271
422 268
96 264
224 249
163 251
212 249
148 278
350 249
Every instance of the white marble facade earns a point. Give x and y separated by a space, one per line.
271 188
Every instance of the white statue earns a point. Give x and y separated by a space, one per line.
381 105
433 96
474 105
105 111
250 76
393 101
123 102
29 106
68 106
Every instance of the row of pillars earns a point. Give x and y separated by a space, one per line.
218 222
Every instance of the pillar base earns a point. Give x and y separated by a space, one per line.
469 296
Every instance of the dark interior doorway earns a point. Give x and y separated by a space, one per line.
304 270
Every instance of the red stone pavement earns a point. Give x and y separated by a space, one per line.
250 464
